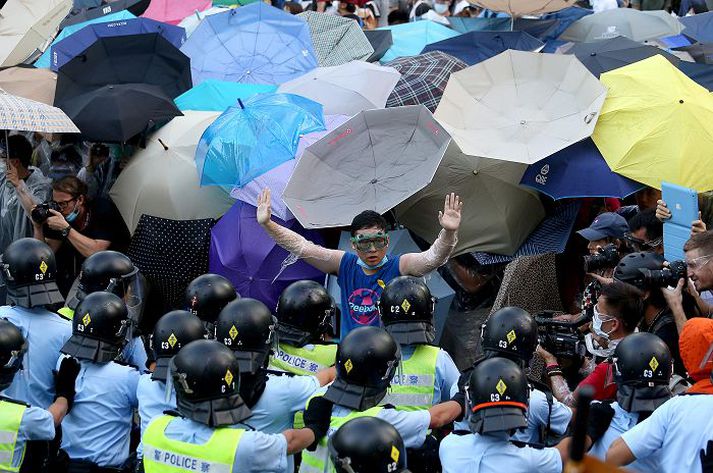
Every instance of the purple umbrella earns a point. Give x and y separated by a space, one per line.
241 251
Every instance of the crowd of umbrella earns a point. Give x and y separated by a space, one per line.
335 120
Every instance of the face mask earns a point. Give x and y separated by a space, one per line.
440 8
376 266
73 216
595 349
597 323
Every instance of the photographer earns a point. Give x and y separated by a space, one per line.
78 228
616 315
645 232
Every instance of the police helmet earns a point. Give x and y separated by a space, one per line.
367 445
103 271
29 269
206 377
305 313
172 332
511 332
497 396
629 269
98 328
406 308
642 367
206 296
247 327
367 359
12 349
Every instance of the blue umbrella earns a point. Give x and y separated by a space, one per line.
537 28
566 17
66 49
701 73
255 136
477 46
410 38
699 27
44 60
256 44
218 95
675 41
577 171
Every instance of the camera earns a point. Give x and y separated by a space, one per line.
562 338
606 257
667 276
41 213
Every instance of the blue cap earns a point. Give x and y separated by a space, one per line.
608 224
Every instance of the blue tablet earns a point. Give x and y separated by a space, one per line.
683 204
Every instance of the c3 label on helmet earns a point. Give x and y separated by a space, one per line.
233 332
395 454
43 267
654 363
511 336
348 365
405 305
501 387
228 377
381 283
86 320
172 340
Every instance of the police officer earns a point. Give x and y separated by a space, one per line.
367 360
511 333
367 445
642 368
208 433
206 296
95 435
427 372
29 270
306 320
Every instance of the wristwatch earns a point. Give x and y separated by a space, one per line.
65 231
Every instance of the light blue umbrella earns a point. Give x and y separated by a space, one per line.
218 95
44 60
255 44
410 38
255 136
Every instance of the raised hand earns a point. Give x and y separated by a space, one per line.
449 218
264 210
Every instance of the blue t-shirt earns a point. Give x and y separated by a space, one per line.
360 292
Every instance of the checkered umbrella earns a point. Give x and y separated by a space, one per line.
423 78
17 113
337 40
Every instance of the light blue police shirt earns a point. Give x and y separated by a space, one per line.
98 426
151 395
134 353
493 453
412 425
622 422
36 424
447 373
45 333
678 430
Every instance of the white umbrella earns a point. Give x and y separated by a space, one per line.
162 180
521 106
21 114
346 89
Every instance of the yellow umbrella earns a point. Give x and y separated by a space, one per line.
657 124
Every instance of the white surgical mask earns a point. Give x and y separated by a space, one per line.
440 8
598 321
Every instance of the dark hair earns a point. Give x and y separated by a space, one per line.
368 219
70 185
397 17
99 149
293 7
626 302
350 7
647 219
700 241
19 148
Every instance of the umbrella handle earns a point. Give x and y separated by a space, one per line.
165 148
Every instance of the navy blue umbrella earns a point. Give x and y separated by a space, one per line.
535 27
699 27
701 73
566 17
477 46
577 171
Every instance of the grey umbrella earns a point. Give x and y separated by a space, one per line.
375 160
634 24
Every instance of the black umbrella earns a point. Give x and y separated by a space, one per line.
381 41
700 52
133 59
115 113
78 15
701 73
603 56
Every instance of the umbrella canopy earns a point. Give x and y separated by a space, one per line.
537 28
173 11
26 26
337 40
374 161
657 124
276 179
135 7
524 7
521 106
565 17
409 39
701 53
477 46
191 22
634 24
140 59
700 73
115 113
699 27
380 41
577 171
161 179
31 83
423 79
241 251
218 95
498 215
346 89
253 44
64 51
255 136
21 114
45 60
603 56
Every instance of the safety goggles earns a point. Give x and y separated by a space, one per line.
698 263
637 244
365 242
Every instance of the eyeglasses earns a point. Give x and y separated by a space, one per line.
698 263
378 241
65 203
642 245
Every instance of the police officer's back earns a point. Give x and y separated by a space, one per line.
367 445
29 270
206 296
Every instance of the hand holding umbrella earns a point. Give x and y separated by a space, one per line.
449 218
